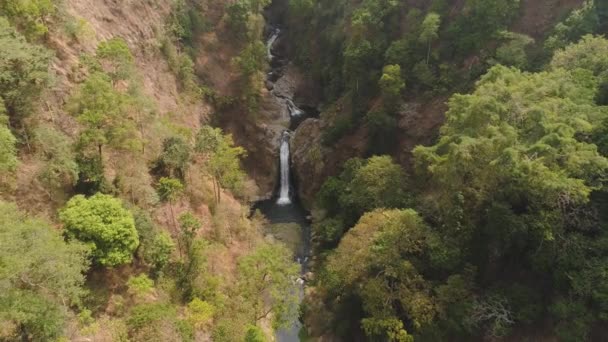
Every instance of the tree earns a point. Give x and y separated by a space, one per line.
391 84
223 159
55 149
581 21
41 277
8 149
378 263
23 71
158 254
480 150
266 284
590 53
100 109
175 156
429 31
255 334
169 190
116 56
30 16
103 224
513 51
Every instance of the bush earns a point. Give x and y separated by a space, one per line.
140 285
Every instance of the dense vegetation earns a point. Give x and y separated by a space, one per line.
500 225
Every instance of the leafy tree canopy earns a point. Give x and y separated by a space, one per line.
24 70
102 223
40 276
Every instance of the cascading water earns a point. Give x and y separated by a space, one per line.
273 38
284 198
287 208
294 111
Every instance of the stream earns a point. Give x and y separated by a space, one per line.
289 221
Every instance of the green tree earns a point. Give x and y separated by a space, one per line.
378 262
29 16
101 111
23 71
170 190
103 224
117 58
378 184
175 157
391 84
429 31
266 284
513 51
158 254
55 149
581 21
255 334
8 148
590 53
223 159
40 278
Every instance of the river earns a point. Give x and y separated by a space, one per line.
284 209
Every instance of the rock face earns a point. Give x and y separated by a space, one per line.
308 159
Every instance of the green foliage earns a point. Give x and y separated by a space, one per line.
513 51
200 313
169 189
391 83
255 334
103 224
101 110
55 149
362 186
140 285
223 159
580 22
29 16
158 254
429 31
424 74
8 148
116 56
590 53
482 149
175 157
40 277
23 70
380 262
479 21
252 59
156 322
265 284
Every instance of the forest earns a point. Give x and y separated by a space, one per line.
442 168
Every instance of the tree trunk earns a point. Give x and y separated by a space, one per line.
428 53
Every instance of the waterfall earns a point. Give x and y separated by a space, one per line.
270 43
284 193
293 109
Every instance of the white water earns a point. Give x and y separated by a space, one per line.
270 43
284 193
293 109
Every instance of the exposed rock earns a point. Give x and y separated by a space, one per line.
308 158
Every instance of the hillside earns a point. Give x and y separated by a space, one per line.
295 170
